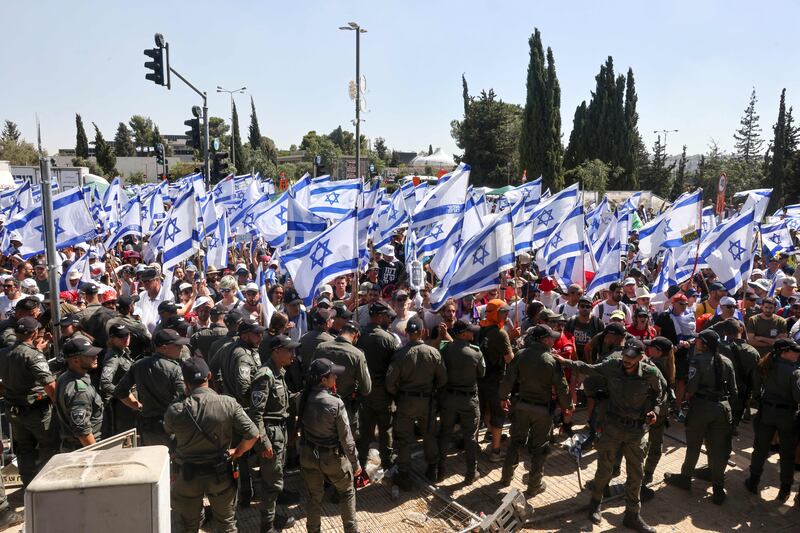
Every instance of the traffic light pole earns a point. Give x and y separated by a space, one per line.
206 162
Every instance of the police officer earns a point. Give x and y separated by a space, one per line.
118 417
30 307
536 373
328 451
220 349
203 425
710 385
777 389
237 377
203 336
141 340
90 294
158 383
745 361
379 347
269 409
635 395
321 321
8 516
459 399
414 375
30 389
355 382
78 404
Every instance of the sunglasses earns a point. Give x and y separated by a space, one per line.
224 290
8 286
584 306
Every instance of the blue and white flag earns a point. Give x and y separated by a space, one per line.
71 220
394 217
225 191
673 228
599 218
301 224
113 204
709 219
687 260
756 199
466 227
776 238
729 254
631 205
301 189
130 223
788 211
330 254
562 255
334 199
443 204
666 277
80 265
479 262
608 271
218 242
180 238
270 220
549 213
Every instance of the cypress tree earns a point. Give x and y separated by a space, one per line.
237 141
430 149
748 136
123 142
103 153
777 166
534 122
554 150
631 138
576 147
680 177
255 131
465 93
81 141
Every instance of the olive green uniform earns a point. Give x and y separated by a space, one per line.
328 453
158 382
459 399
269 409
535 371
710 384
778 393
656 431
355 382
203 338
378 346
308 344
218 355
80 409
7 336
415 373
141 341
495 344
203 469
117 417
745 360
25 373
630 398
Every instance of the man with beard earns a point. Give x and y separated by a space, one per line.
765 328
604 309
78 404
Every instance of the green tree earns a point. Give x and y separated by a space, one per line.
632 140
218 129
142 128
657 176
91 164
136 178
344 140
554 150
81 141
534 127
255 131
394 161
780 154
321 145
159 139
11 132
748 136
16 150
679 183
104 154
488 135
576 152
430 149
237 142
380 148
593 175
123 143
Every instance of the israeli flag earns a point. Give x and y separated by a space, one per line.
334 199
113 204
242 217
562 255
776 238
599 218
72 223
330 254
391 219
301 224
729 253
225 191
788 211
301 189
549 213
679 224
180 238
756 199
270 220
130 223
442 205
666 277
479 262
708 219
685 258
608 271
218 241
80 265
469 224
263 282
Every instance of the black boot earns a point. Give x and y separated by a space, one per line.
403 480
533 490
432 473
284 522
646 493
594 512
784 493
719 495
440 472
703 473
678 480
635 522
752 484
470 476
647 479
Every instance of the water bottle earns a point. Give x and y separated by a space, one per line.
416 275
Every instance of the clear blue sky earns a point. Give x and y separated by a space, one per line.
694 62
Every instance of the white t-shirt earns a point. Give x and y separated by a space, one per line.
567 310
7 305
608 308
147 309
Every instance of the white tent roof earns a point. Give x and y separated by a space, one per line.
6 178
437 159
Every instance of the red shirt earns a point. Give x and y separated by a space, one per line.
642 334
565 347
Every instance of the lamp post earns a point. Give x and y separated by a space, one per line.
233 150
665 132
352 26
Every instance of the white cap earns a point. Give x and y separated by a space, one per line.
629 281
326 289
789 280
757 272
75 274
251 287
203 300
642 292
524 258
28 283
183 286
82 246
727 300
387 250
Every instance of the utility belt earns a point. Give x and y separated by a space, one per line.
535 404
711 396
468 394
778 405
320 449
624 421
19 410
222 468
415 394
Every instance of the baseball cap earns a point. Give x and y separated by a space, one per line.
540 331
662 343
614 329
292 297
350 326
717 286
757 272
283 341
617 315
88 288
364 288
727 300
28 283
241 268
319 368
248 325
381 307
201 301
640 311
341 311
79 346
69 320
163 337
167 307
387 250
149 274
324 303
789 280
251 287
462 325
373 265
326 289
633 348
782 345
320 315
414 325
27 324
629 281
195 370
119 330
710 337
29 303
126 301
191 267
184 286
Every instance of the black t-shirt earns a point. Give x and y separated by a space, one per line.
389 272
583 333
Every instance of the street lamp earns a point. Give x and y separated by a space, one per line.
665 132
235 91
352 26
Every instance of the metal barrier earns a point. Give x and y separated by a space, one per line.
126 439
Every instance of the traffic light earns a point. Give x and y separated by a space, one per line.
219 167
160 154
156 65
193 133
